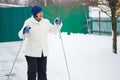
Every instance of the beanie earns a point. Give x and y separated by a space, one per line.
35 9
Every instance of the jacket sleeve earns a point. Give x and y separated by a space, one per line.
20 33
54 28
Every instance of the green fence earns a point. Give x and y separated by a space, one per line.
12 19
104 26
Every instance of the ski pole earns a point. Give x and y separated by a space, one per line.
65 57
58 11
14 61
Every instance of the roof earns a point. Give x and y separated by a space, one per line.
3 5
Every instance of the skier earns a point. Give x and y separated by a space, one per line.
37 29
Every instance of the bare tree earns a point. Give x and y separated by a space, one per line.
112 7
40 2
43 2
113 4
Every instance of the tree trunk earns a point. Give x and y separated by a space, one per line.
114 32
6 1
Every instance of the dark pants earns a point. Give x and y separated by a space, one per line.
36 68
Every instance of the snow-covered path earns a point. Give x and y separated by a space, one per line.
89 57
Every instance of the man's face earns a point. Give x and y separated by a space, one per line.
40 15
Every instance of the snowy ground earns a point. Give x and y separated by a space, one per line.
89 57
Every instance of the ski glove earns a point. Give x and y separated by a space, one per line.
26 30
58 21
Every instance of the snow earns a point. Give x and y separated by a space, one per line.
89 57
94 12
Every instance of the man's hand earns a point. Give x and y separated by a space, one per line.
26 30
58 21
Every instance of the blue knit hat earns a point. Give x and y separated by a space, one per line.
35 9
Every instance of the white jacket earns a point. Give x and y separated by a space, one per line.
37 41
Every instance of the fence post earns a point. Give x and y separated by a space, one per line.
99 23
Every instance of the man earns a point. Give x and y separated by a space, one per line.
37 29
